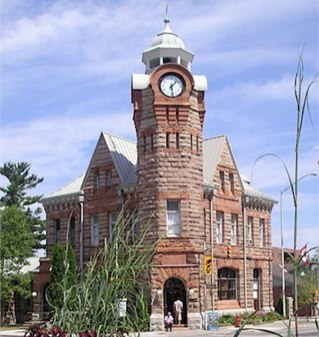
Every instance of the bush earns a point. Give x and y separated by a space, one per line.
255 318
272 316
226 320
278 306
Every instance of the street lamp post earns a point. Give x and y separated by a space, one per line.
282 191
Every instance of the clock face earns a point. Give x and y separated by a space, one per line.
171 85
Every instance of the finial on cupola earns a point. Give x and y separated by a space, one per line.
166 47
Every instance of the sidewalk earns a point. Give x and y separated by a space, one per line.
185 332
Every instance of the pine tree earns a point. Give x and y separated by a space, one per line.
15 194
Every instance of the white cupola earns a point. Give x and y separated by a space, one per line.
166 47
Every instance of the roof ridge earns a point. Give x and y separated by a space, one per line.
119 137
215 137
69 183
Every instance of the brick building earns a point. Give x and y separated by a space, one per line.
193 188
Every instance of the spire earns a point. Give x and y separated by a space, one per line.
166 47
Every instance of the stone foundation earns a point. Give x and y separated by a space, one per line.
156 322
194 320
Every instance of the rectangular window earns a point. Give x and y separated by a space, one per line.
250 224
57 229
232 183
144 143
219 226
152 142
197 144
72 232
261 232
112 223
173 218
94 230
108 178
233 229
227 284
177 140
167 139
97 180
222 180
191 141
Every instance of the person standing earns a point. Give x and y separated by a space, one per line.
168 320
178 309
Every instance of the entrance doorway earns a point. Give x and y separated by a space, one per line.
174 289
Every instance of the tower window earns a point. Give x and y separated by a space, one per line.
191 141
144 143
197 143
173 218
152 142
167 139
169 59
154 63
177 140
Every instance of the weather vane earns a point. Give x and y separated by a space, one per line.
166 9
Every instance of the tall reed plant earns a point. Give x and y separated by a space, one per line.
116 274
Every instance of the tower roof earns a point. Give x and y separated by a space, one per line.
167 38
166 47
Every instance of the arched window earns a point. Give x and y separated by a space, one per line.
227 284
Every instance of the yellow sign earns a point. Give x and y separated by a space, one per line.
208 264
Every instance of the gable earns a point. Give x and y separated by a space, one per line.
217 153
101 158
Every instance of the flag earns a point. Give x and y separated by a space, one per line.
303 255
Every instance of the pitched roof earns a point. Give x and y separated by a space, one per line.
73 187
211 152
252 191
124 156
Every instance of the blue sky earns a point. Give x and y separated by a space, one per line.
65 77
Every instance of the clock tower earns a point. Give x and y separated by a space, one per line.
169 113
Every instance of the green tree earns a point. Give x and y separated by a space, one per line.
306 287
16 242
16 194
63 274
55 290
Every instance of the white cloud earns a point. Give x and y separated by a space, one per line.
54 145
66 69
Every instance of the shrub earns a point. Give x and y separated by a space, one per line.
226 320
